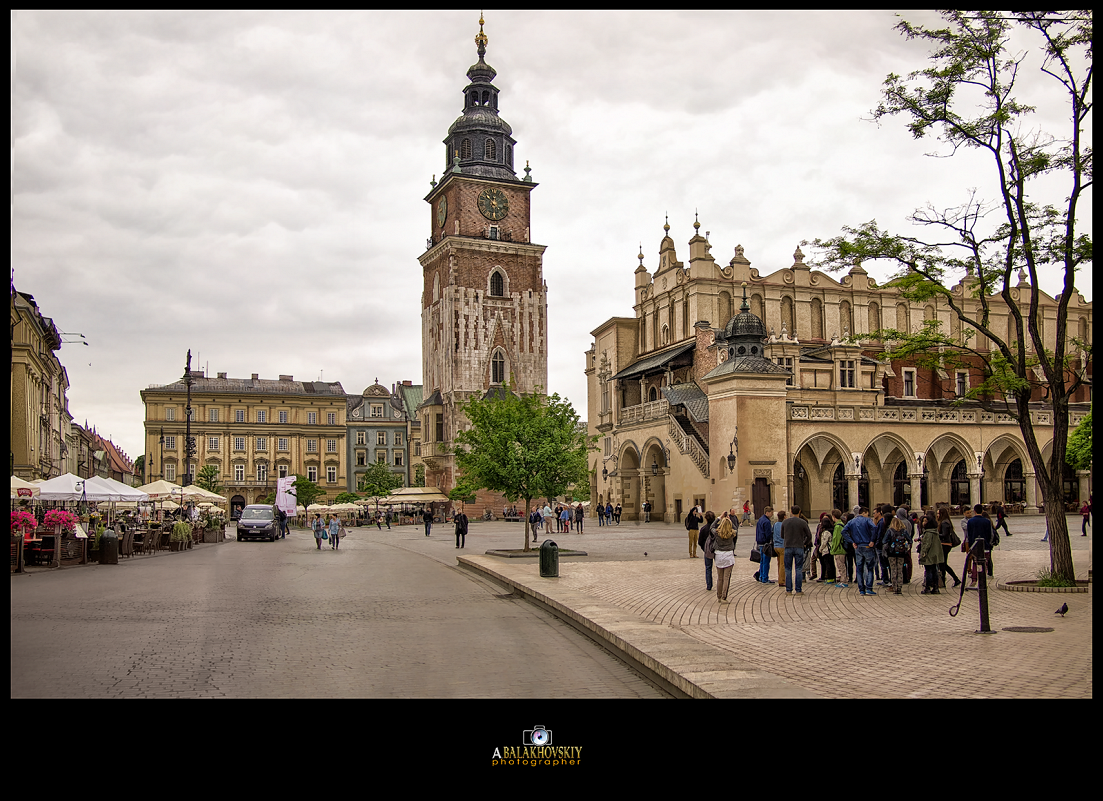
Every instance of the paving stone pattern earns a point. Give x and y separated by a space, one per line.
285 620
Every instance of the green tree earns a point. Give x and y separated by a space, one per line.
306 491
378 481
346 497
208 478
140 468
966 97
524 447
419 475
1079 455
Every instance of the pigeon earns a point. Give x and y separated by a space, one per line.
645 553
1064 608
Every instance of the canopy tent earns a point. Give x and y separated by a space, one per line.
111 490
66 487
196 492
23 489
417 495
161 490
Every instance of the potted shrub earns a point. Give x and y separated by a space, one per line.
94 545
180 537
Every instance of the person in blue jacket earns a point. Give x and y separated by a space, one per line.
764 533
861 532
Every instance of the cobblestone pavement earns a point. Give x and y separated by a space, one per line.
374 619
830 641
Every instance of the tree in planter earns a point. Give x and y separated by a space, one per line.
966 96
208 478
524 447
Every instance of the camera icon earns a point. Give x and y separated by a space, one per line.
537 735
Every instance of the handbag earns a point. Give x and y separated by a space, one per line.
756 555
325 534
768 550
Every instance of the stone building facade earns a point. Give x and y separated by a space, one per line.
484 301
377 432
254 430
42 439
730 385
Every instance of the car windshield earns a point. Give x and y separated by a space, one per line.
257 514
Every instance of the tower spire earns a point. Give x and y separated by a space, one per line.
480 38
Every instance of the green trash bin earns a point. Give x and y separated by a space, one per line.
549 560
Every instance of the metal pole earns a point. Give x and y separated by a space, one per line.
982 563
188 447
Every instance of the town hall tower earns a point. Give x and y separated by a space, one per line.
484 311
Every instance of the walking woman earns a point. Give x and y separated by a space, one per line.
724 550
334 532
318 527
895 550
579 516
930 554
838 549
949 540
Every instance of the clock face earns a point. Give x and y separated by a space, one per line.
442 211
493 204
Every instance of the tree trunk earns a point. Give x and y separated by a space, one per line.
1060 547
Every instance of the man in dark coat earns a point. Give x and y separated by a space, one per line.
461 529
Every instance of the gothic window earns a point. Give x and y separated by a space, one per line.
787 313
817 318
447 156
465 149
491 151
652 395
486 98
474 98
757 308
666 335
509 156
497 368
685 317
436 290
497 285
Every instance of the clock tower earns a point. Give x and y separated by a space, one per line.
484 310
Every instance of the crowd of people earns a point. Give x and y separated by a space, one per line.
879 547
563 516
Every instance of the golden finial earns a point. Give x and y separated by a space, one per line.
480 37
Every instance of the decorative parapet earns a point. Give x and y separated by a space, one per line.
653 410
922 414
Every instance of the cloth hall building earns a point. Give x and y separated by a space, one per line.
730 385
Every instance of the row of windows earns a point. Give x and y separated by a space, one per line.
261 472
380 438
262 415
260 444
380 456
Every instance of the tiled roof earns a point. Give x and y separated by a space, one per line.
690 395
654 361
747 364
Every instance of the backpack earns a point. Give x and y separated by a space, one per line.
898 544
691 518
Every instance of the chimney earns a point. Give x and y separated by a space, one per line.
407 383
256 376
221 375
287 378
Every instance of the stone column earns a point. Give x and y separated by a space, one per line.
852 488
1083 488
974 488
917 490
1031 493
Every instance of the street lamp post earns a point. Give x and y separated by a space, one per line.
189 443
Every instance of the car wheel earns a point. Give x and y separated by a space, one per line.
239 538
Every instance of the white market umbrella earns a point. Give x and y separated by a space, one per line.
65 487
116 490
23 489
161 490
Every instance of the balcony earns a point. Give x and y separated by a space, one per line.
643 412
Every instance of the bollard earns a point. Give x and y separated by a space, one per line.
549 560
109 547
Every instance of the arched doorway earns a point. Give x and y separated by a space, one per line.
902 487
840 489
237 503
959 485
1014 485
801 490
654 482
628 474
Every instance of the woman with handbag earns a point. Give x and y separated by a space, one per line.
706 541
950 540
838 549
334 532
318 528
822 549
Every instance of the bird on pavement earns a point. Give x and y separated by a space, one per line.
1064 608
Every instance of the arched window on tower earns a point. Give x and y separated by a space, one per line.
509 156
465 149
846 320
486 98
874 312
787 314
491 151
497 368
497 285
817 318
474 98
725 309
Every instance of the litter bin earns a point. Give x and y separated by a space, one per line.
109 548
549 560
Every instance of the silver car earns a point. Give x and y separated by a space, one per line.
258 522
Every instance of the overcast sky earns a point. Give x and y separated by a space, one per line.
249 184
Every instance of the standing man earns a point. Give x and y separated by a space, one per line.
647 511
763 536
427 517
979 527
693 526
283 522
460 519
796 537
388 517
861 533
